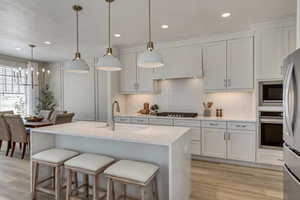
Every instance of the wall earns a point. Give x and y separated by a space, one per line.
187 95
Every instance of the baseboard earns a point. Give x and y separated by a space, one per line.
240 163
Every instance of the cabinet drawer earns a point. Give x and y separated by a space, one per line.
242 126
196 148
187 123
161 121
214 124
122 119
139 120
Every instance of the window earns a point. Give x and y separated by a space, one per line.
13 90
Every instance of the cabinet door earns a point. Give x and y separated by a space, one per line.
269 53
240 63
241 145
290 37
145 81
214 60
213 142
128 74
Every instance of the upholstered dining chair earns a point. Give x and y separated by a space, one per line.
46 114
56 112
5 134
63 118
18 133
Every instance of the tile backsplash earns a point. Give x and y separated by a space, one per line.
187 95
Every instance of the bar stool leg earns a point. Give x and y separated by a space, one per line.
95 188
57 184
142 193
124 191
113 189
156 188
108 192
35 172
69 184
86 185
53 180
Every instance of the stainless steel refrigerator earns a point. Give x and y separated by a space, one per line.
291 127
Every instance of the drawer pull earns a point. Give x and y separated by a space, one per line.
213 124
241 126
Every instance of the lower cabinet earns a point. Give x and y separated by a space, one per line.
214 142
196 141
241 145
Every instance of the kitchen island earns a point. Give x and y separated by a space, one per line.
167 147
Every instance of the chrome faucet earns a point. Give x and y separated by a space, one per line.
113 113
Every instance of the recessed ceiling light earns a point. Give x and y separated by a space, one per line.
165 26
224 15
117 35
18 48
47 42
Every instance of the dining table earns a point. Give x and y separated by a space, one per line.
29 124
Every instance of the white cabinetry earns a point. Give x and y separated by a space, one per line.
133 78
240 63
229 64
180 62
272 45
195 131
214 66
241 145
213 142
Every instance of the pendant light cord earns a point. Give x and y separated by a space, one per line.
150 21
77 31
109 24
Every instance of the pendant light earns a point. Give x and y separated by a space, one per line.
77 65
108 62
150 58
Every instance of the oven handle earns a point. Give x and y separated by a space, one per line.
287 82
272 121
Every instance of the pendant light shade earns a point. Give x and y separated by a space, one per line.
77 65
150 58
108 62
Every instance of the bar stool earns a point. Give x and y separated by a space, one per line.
136 173
55 159
88 165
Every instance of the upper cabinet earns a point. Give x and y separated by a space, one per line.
180 62
133 78
272 46
240 63
214 64
229 65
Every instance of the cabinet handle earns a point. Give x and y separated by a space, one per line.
229 82
213 124
228 138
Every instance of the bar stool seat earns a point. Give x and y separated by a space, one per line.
54 156
87 164
131 172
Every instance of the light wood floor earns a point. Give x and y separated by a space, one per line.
210 181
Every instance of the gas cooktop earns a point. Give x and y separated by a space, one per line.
177 114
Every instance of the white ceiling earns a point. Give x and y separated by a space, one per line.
36 21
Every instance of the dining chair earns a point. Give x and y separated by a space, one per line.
46 114
5 134
63 118
18 133
54 113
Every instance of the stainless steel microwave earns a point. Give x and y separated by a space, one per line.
270 93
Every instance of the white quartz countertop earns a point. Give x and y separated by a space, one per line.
144 134
225 118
